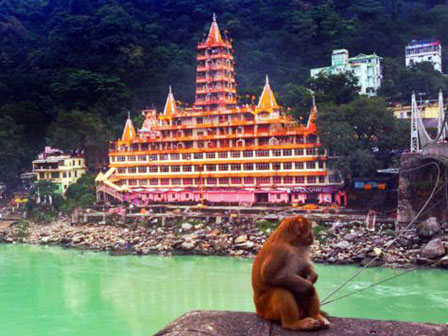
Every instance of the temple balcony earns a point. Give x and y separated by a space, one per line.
206 46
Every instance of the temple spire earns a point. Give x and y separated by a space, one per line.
129 130
214 35
311 124
267 100
170 105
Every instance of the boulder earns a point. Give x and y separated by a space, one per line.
186 227
443 262
343 245
428 228
433 249
350 237
241 239
188 245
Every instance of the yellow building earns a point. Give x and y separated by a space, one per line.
62 170
430 110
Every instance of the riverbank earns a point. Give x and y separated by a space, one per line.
349 243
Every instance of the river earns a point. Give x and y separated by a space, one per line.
55 291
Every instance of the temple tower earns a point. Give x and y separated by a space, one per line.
215 74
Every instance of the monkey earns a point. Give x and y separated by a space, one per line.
283 278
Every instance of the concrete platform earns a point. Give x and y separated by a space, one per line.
223 323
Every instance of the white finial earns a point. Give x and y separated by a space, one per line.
214 17
314 100
171 92
129 114
267 79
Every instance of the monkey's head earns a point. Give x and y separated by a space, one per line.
296 230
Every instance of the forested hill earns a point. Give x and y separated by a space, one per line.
104 57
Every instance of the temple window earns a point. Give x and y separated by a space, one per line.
121 170
211 155
198 168
248 180
321 164
287 165
133 182
176 181
235 154
175 156
131 158
164 169
235 166
311 179
287 152
300 179
188 181
132 170
186 156
277 152
175 169
223 167
223 180
163 157
142 169
300 139
248 153
211 167
262 166
223 155
276 166
277 180
311 165
153 181
310 151
142 157
153 169
165 181
121 158
248 166
153 157
187 168
299 165
298 151
263 180
236 180
211 180
262 153
321 179
287 179
198 155
142 182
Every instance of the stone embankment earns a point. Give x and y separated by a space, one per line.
216 323
348 243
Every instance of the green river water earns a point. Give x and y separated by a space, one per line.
54 291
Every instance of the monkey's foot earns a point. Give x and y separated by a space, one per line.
307 323
323 320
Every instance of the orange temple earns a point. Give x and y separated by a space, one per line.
218 151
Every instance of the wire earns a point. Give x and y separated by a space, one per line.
325 300
370 286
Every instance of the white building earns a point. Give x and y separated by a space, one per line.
424 51
366 69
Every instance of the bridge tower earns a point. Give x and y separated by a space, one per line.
441 128
415 144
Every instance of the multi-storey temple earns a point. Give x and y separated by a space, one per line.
218 151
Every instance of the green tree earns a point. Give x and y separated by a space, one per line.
334 89
82 193
13 153
361 136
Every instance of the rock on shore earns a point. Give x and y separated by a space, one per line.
349 243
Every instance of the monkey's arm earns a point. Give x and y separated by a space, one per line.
311 274
275 272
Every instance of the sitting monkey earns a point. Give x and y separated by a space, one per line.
283 278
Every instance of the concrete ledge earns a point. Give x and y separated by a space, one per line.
223 323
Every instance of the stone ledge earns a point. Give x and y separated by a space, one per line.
224 323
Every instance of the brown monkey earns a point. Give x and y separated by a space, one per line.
283 278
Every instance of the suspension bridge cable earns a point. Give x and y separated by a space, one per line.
325 300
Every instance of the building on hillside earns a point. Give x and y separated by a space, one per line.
429 50
63 170
218 151
366 69
429 109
